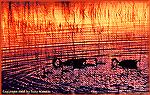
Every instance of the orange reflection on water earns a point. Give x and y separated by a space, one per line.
39 21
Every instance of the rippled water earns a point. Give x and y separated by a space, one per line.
26 75
27 43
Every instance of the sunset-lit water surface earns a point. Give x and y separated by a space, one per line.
99 30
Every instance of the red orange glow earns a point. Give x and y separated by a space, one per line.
44 18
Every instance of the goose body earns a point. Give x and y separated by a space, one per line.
125 64
76 63
129 64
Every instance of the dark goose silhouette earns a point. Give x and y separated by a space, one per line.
79 63
126 65
76 63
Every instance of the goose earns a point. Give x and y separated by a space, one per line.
125 64
76 63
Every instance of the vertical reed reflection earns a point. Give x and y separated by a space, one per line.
34 31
